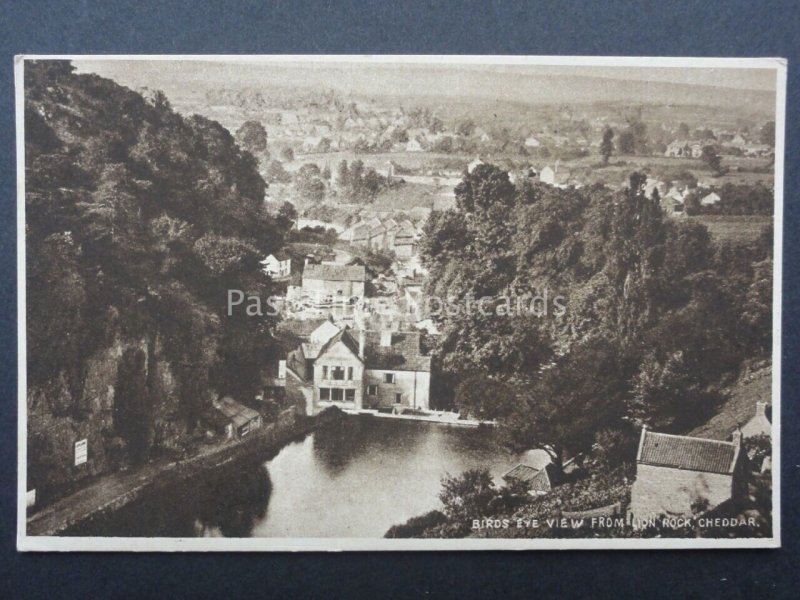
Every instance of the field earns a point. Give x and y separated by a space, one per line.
734 228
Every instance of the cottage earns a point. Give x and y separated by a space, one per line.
539 481
759 424
277 265
334 283
679 475
231 419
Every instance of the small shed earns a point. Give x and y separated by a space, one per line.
242 419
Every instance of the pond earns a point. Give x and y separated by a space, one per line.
355 477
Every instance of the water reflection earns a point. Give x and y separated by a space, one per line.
353 478
228 502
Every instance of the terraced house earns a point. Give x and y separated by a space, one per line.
358 370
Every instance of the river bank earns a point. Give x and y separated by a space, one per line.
119 489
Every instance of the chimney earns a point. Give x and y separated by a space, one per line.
362 342
761 409
386 338
736 437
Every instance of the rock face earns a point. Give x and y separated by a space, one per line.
58 418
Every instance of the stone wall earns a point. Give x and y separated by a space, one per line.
663 490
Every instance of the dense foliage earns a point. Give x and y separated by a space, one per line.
138 222
656 313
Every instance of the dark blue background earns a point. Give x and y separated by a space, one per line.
567 27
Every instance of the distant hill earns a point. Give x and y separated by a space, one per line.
528 84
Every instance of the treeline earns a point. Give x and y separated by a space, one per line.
656 313
735 199
138 222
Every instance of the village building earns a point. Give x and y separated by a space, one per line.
532 142
548 176
711 199
539 481
334 283
759 424
680 476
678 148
277 265
228 418
357 370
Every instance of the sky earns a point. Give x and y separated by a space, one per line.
513 82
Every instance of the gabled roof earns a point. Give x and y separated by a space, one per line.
329 272
344 337
683 452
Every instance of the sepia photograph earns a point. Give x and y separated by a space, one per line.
400 302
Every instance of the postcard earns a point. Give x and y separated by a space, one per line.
399 302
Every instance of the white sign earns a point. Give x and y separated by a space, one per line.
81 451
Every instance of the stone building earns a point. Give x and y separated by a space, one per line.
334 283
679 475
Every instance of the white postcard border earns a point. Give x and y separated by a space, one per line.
108 544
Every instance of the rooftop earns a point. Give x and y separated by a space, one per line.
328 272
682 452
238 413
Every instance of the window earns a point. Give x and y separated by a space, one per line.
337 394
398 398
349 373
388 377
372 390
324 372
337 373
324 393
349 395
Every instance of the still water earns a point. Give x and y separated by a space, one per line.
353 478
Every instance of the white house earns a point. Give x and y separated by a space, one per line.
711 199
364 369
277 265
548 176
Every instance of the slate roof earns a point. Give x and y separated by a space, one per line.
682 452
403 354
237 413
329 272
539 480
522 473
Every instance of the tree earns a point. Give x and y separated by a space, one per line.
627 142
483 397
308 183
607 145
275 172
252 137
712 159
683 131
467 496
287 154
466 128
287 215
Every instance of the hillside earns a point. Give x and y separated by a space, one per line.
138 221
754 385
